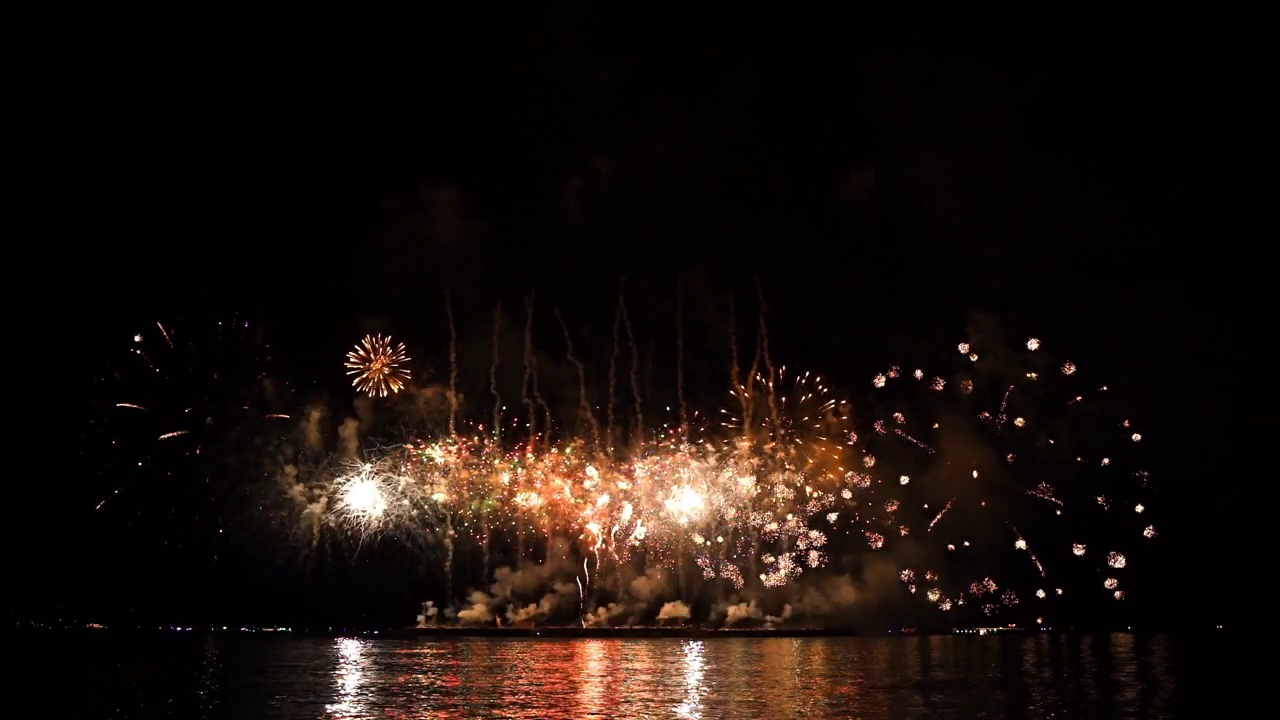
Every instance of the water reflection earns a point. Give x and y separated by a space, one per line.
594 661
691 708
349 673
208 691
946 677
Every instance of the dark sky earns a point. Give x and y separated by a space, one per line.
876 169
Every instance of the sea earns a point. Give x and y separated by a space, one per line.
113 674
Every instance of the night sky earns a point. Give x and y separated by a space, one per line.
883 174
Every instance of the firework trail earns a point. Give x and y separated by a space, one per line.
638 433
764 349
493 375
453 366
528 370
583 405
735 371
684 409
613 374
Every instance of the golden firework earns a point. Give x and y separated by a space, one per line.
377 366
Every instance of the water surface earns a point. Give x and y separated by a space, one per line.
119 675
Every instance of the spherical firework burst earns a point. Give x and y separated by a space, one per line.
1019 469
372 496
377 366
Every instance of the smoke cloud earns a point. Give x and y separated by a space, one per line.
349 438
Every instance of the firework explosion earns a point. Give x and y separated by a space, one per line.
994 459
376 364
182 398
1017 482
996 482
186 410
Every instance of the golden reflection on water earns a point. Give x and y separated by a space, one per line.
595 658
691 708
948 677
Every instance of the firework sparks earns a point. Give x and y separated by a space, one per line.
777 490
179 399
377 366
1014 420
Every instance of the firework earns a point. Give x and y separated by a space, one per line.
377 496
183 399
746 504
1017 471
187 407
376 365
984 480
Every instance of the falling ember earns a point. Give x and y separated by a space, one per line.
1077 550
1068 368
1111 583
963 348
1020 422
1137 437
1116 560
1139 508
903 480
1033 344
1149 531
938 517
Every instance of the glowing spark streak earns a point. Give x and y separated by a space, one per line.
915 441
582 600
1004 405
1029 552
173 434
166 336
131 406
938 517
